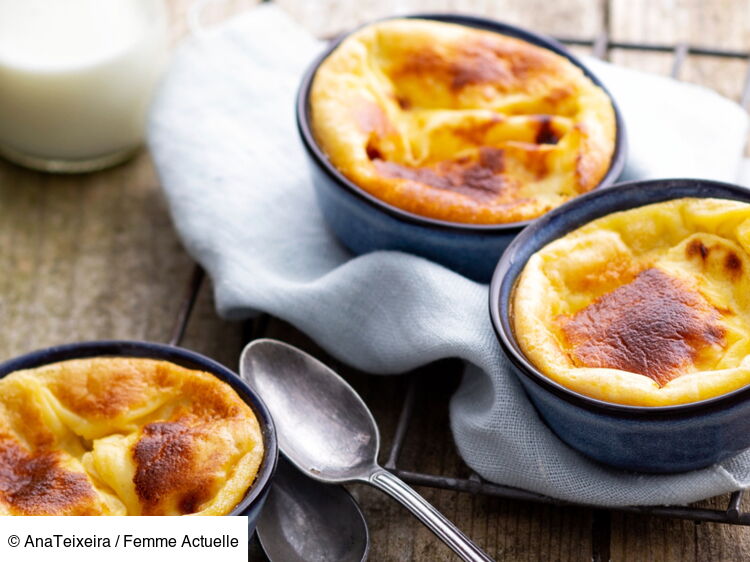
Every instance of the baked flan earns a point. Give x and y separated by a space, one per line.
124 436
460 124
645 307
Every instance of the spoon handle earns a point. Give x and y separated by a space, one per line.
427 514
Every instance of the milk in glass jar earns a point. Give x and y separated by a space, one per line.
76 80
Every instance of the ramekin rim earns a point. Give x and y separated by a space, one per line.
304 128
167 352
505 335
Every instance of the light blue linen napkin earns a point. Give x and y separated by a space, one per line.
224 141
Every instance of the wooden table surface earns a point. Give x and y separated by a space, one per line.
95 256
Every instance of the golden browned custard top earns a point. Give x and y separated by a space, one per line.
649 306
654 325
123 436
460 124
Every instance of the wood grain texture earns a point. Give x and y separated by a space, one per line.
86 257
209 13
325 18
718 23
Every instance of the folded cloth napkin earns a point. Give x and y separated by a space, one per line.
224 141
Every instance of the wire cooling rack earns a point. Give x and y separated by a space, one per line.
474 484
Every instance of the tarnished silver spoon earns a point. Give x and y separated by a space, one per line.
326 430
307 521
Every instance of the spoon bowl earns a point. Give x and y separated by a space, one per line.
326 430
306 521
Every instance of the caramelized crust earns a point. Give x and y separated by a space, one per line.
121 436
165 463
647 307
460 124
654 326
40 484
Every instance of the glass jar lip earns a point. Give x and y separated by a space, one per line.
153 21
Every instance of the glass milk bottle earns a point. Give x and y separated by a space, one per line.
76 80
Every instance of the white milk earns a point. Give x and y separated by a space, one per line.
76 79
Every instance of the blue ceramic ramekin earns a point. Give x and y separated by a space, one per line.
252 504
649 439
364 223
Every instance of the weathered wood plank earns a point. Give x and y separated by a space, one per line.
86 257
721 24
211 13
569 17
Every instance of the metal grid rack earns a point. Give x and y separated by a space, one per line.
474 484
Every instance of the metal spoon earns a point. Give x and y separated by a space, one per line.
306 521
325 429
